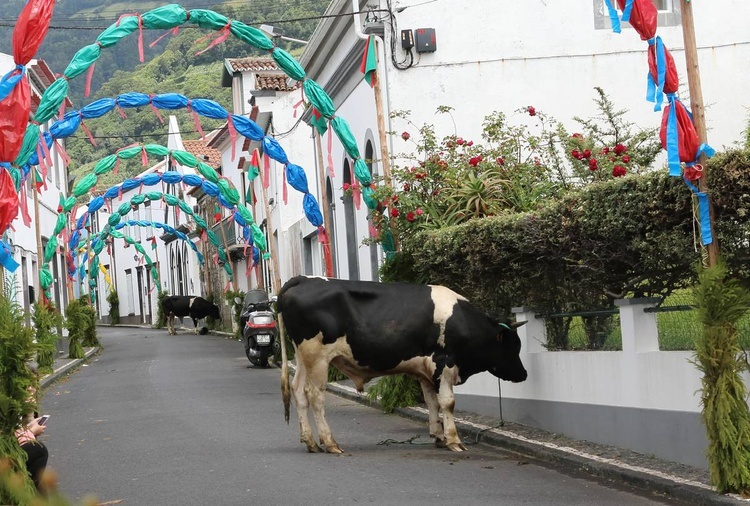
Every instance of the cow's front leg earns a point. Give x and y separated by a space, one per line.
300 398
195 325
316 390
431 399
170 324
447 402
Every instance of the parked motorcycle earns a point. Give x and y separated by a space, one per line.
259 330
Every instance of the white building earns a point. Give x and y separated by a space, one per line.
480 57
23 240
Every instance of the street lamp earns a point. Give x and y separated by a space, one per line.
278 33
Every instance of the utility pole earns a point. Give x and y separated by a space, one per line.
384 151
39 249
276 275
324 204
699 112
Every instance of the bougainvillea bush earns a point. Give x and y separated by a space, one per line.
514 167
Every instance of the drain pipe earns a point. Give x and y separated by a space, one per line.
381 116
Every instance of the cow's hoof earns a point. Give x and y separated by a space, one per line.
456 447
313 447
440 443
334 448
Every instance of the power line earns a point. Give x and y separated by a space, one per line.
271 22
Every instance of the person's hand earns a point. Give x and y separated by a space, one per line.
35 428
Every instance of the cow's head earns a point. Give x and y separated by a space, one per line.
213 312
506 359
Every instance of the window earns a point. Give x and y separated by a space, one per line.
668 14
147 204
663 5
136 227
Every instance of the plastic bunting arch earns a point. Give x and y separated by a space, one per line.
98 241
678 135
115 232
93 252
73 120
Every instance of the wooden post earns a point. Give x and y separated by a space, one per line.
226 251
384 151
324 202
699 112
39 250
276 275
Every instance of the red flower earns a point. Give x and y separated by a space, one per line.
419 211
576 154
405 136
620 149
605 150
460 141
410 216
618 171
470 143
394 212
577 136
346 186
587 153
593 164
474 160
500 160
531 110
407 187
625 159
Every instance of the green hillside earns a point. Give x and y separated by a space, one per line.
170 67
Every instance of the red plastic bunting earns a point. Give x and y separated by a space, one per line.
687 137
672 79
14 116
31 28
643 17
8 200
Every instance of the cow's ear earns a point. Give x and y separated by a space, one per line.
515 325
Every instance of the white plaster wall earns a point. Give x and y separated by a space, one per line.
494 56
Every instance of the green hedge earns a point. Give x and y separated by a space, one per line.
633 236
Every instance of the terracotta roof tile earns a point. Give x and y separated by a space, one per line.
251 64
199 148
275 82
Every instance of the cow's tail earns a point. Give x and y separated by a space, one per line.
285 390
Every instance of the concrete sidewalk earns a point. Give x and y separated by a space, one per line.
617 465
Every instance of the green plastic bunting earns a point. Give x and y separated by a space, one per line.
361 172
154 195
229 193
319 98
212 237
251 35
139 248
62 220
82 60
185 158
114 219
128 153
129 240
49 250
208 19
208 172
51 100
138 199
288 64
259 238
156 149
30 142
165 17
185 207
85 184
70 202
200 222
172 200
45 278
344 133
116 31
105 164
124 208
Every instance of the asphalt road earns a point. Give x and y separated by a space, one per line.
185 420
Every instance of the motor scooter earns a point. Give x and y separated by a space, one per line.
259 329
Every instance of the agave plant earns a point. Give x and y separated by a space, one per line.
477 197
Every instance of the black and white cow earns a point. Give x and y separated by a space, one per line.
369 329
193 306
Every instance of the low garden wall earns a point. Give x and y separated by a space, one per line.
640 398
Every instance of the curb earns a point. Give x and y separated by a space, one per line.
64 369
643 479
